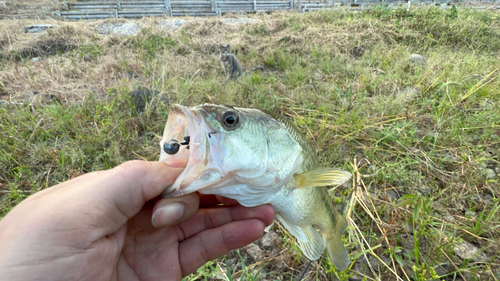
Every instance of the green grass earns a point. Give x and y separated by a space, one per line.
429 150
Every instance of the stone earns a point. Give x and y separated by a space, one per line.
30 95
407 241
239 21
407 93
425 190
490 173
416 59
467 251
386 260
37 59
269 240
471 215
449 218
361 268
172 25
254 251
37 28
357 51
141 97
391 195
375 263
118 28
442 269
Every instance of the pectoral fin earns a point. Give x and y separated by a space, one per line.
321 177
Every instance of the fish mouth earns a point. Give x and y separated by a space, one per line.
198 147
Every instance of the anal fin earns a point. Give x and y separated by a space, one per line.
314 247
310 241
295 230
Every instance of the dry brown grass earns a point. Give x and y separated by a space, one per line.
71 77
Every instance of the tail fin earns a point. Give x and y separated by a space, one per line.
335 247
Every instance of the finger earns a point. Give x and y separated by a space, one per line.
169 211
214 243
214 217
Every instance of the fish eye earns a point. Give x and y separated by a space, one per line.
230 119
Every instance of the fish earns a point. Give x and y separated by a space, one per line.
258 157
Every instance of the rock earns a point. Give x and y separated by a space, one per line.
357 252
407 241
35 97
490 173
37 59
467 251
132 75
493 247
449 218
375 263
38 28
386 260
361 268
425 190
270 240
141 97
357 51
283 261
391 195
442 269
407 93
30 95
448 156
254 251
239 21
471 215
118 28
172 24
417 59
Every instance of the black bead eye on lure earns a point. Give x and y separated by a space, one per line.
172 146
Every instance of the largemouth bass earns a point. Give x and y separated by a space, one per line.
257 158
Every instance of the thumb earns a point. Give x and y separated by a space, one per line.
127 187
170 211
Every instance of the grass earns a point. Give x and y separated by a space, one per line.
422 141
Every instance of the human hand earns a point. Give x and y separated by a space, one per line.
99 226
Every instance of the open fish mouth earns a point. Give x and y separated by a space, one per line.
188 136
